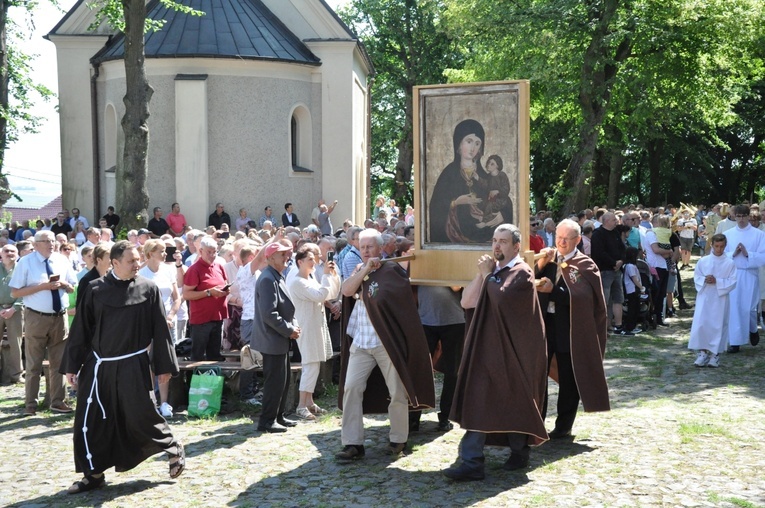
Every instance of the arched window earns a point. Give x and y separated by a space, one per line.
301 156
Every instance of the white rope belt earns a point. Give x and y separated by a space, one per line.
94 388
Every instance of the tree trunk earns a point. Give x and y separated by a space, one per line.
655 152
5 193
401 190
598 70
615 177
132 193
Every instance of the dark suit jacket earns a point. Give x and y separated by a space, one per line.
274 315
295 222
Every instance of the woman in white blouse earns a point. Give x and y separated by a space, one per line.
308 296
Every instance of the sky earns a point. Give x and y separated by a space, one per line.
33 163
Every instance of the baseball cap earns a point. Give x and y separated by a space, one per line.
274 247
143 231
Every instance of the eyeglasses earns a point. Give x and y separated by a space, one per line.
567 238
741 216
535 223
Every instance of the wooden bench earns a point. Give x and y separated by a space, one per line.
179 385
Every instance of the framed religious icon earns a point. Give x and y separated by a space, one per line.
471 167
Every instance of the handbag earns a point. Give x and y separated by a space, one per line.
250 358
205 392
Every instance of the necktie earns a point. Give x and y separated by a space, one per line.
54 292
559 270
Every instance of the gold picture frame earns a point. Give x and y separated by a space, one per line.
471 172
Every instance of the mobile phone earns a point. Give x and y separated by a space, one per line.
54 278
330 256
227 286
224 235
169 253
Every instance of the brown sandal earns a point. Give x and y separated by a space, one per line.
178 462
88 482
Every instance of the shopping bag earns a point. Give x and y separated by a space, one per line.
206 392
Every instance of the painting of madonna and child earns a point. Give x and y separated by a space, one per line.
471 174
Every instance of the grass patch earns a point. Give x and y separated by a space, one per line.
624 353
689 430
741 502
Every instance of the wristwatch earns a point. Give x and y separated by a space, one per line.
208 292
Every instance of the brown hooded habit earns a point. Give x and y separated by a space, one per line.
502 378
393 312
589 328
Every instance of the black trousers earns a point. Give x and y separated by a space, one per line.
452 338
568 393
633 311
276 384
661 293
205 341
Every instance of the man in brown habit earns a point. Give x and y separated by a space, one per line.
502 378
385 359
569 285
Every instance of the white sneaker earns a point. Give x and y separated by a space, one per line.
702 359
253 402
166 410
714 361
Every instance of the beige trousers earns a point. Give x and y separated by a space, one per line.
44 333
361 362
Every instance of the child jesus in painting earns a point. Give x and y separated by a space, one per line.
496 193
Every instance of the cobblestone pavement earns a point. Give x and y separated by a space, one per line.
676 436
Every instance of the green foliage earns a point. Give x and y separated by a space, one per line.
408 46
111 13
23 92
688 92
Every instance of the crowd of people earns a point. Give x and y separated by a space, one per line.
311 293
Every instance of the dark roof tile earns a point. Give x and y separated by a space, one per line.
229 29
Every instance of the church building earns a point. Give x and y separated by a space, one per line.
256 103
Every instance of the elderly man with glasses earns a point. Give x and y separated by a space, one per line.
43 279
569 285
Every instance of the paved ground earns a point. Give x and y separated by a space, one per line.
677 436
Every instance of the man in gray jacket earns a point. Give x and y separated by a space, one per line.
275 326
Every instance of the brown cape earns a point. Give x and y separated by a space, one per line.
589 329
393 312
501 383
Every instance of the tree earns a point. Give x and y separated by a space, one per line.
408 47
17 90
129 17
635 95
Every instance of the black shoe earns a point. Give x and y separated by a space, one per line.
685 306
670 313
462 473
396 449
559 433
734 349
754 338
515 462
350 452
274 428
286 423
445 426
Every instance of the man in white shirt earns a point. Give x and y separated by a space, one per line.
43 279
77 217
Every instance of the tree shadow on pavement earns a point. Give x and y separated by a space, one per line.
226 437
97 497
382 480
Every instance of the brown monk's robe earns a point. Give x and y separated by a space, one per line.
589 328
501 382
393 312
